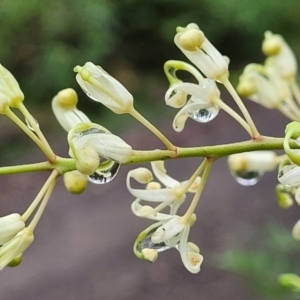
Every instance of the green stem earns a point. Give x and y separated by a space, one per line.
49 154
263 143
187 185
234 115
39 196
134 113
193 205
43 205
37 130
63 165
242 107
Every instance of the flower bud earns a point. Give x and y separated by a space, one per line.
75 182
65 110
191 39
15 247
141 175
10 92
10 225
103 88
97 141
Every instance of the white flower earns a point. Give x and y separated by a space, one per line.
171 195
65 110
289 176
103 88
189 253
10 225
201 106
197 48
263 85
253 161
280 55
89 142
15 247
10 92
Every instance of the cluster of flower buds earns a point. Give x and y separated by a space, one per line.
273 84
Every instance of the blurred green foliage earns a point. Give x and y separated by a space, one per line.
41 41
261 266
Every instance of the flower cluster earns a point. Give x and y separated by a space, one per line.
273 84
170 230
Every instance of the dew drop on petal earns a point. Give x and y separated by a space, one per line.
247 178
30 126
204 115
106 175
147 243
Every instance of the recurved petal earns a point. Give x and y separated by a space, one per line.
161 174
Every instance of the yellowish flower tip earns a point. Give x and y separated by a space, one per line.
153 185
87 160
191 221
84 73
246 88
67 98
272 44
284 199
293 127
191 39
75 182
237 162
16 261
150 254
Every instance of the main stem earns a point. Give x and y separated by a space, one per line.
63 165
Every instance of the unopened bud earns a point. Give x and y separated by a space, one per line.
75 182
191 39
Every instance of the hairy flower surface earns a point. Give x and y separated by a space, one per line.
103 88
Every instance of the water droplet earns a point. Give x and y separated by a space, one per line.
30 126
147 243
204 115
248 178
105 175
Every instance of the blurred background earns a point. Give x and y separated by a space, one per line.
83 244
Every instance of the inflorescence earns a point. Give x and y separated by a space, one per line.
96 154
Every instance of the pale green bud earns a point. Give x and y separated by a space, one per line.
10 225
15 247
75 182
10 92
16 261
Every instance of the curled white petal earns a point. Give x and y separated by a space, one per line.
161 174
